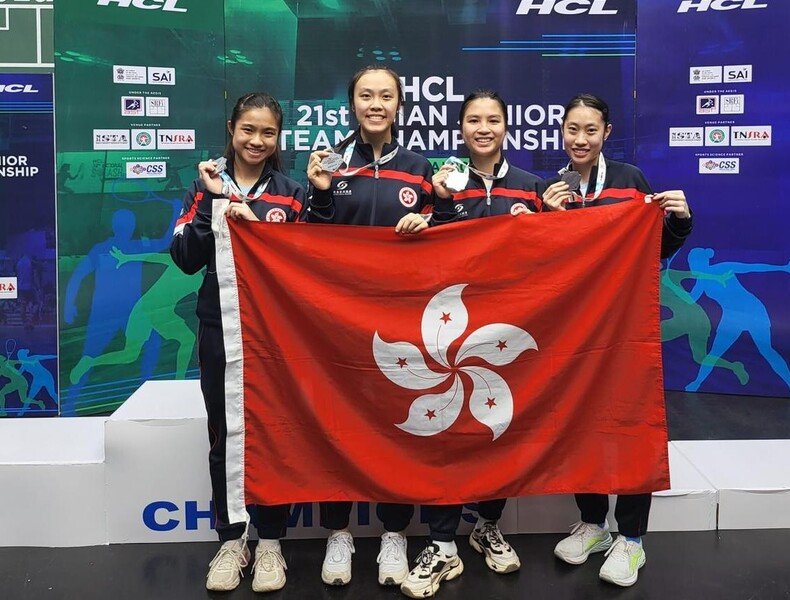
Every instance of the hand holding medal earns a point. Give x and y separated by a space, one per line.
574 180
209 174
320 173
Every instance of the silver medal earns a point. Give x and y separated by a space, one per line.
332 162
573 179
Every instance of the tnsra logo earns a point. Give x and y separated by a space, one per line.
18 88
703 5
165 5
565 7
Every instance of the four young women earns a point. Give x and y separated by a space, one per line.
371 180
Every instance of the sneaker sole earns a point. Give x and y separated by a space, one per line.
393 579
624 582
492 564
269 586
431 590
335 580
582 558
222 587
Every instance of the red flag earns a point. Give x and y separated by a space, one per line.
491 358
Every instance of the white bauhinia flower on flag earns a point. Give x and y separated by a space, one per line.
443 322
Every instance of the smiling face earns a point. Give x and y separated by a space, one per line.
375 103
584 132
483 128
254 137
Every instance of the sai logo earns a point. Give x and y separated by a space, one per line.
737 73
161 76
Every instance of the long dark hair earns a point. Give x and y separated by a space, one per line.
478 95
249 102
353 84
590 101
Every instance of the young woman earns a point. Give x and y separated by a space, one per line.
585 128
379 183
494 187
253 165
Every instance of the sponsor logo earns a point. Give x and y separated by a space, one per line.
176 139
686 136
719 165
717 136
737 73
407 197
565 7
8 288
342 189
165 5
276 215
161 76
111 139
707 105
132 106
143 139
157 106
703 5
705 75
146 170
755 135
731 104
126 74
18 88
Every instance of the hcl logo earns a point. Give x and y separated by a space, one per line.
167 5
18 88
703 5
565 7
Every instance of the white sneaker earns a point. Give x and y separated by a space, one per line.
226 568
585 538
393 564
337 562
624 559
489 541
433 567
268 570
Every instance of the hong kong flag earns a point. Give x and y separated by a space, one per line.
491 358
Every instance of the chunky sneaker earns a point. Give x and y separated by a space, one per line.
433 567
499 555
585 538
393 564
624 559
226 568
268 570
337 562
